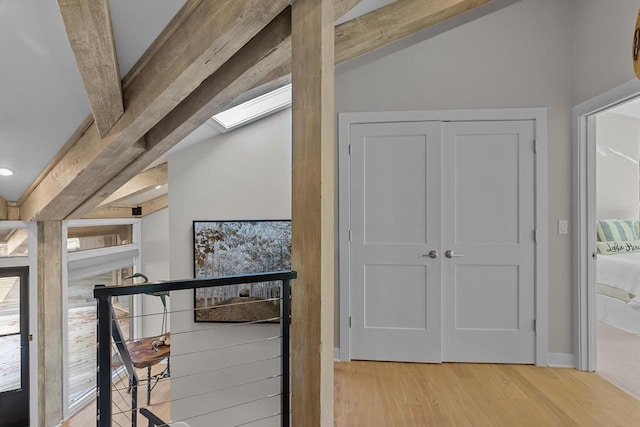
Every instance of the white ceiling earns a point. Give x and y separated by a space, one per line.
42 100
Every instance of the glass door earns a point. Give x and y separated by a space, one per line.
14 346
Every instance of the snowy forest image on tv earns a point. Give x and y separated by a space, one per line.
225 248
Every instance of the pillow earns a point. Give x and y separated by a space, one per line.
613 292
619 247
612 230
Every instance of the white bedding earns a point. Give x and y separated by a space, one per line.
621 271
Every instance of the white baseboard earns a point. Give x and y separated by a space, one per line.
562 360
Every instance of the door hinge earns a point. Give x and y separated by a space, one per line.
349 321
535 145
535 236
349 149
349 235
30 338
535 325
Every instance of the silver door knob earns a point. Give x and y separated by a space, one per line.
450 254
432 254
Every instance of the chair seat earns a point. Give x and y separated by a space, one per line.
144 354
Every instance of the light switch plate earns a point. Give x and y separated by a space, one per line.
563 226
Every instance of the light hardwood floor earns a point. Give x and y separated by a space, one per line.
160 396
387 394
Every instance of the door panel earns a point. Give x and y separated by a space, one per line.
488 223
463 187
395 222
14 347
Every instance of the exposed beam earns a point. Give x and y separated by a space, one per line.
4 209
154 205
88 26
13 211
16 240
341 7
111 212
206 38
394 22
264 53
139 184
313 213
148 207
75 175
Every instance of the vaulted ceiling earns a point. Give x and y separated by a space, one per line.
94 92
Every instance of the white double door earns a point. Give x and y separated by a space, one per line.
442 249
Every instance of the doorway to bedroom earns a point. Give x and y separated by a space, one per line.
617 272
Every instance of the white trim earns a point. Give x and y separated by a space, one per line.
336 354
562 360
583 188
538 114
115 256
32 228
22 261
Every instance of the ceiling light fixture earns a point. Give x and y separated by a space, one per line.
253 109
6 172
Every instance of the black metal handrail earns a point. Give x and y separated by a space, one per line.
104 294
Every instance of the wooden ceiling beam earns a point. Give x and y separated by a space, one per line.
148 207
258 58
205 39
17 240
13 211
341 7
89 30
141 183
394 22
4 209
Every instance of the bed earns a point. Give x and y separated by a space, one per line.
618 274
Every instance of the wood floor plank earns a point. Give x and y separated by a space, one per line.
385 394
451 394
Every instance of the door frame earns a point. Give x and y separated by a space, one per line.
30 261
584 212
538 115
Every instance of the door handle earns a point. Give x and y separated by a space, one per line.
450 254
432 254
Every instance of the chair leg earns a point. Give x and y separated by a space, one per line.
149 385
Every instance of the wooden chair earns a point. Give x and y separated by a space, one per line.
144 355
140 354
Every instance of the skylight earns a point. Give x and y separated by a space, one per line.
254 109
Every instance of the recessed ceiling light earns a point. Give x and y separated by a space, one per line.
6 172
254 109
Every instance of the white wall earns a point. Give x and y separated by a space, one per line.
519 56
155 265
602 40
245 174
617 170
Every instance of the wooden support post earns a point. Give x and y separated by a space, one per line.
4 209
313 212
50 322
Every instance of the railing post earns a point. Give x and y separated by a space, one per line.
285 314
104 362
